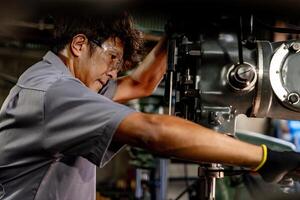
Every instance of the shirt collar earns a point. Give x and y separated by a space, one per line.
57 62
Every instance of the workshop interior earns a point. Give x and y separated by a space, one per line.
233 66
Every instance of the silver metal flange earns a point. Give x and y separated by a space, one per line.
286 87
275 75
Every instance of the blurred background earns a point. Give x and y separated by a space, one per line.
26 35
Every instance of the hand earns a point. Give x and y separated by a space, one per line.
279 165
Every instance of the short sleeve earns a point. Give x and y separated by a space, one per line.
79 122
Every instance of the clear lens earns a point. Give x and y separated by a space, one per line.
115 58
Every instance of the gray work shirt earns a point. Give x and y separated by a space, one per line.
53 133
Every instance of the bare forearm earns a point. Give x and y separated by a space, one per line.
153 67
146 77
171 136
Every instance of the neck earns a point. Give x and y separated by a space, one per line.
68 60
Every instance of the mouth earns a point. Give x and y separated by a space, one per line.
99 81
103 82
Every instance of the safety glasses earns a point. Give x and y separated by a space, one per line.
115 58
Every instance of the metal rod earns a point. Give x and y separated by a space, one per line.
239 37
163 163
138 182
171 70
251 25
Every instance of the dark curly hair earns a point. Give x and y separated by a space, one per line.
100 28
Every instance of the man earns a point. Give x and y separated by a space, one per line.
55 127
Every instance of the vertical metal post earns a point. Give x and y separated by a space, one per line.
163 163
163 177
208 176
163 173
138 182
170 74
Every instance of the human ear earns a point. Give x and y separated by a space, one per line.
78 44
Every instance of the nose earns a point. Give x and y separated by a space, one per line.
112 74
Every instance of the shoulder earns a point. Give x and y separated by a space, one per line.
68 89
44 73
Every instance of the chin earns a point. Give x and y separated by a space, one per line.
95 88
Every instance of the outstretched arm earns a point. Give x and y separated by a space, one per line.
175 137
146 77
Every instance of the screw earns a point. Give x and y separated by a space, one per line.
245 73
293 98
216 118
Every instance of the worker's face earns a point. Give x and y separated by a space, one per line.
102 64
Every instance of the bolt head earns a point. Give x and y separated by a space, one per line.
293 98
